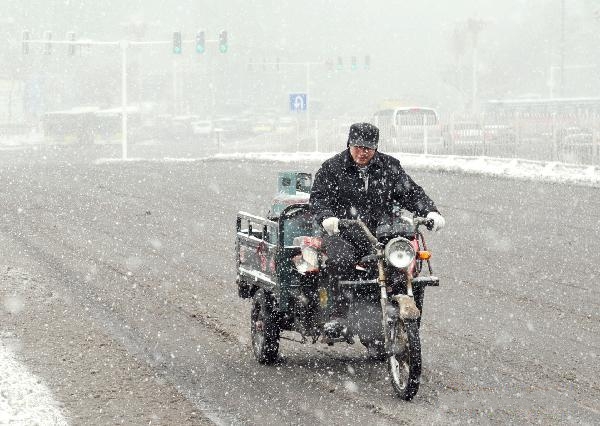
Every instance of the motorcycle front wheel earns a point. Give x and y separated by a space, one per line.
404 362
264 327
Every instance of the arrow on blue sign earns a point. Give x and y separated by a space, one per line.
298 102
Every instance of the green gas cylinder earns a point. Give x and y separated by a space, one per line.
292 188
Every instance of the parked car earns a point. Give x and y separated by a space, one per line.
231 127
225 125
499 134
287 125
263 125
202 128
576 145
463 133
181 127
577 136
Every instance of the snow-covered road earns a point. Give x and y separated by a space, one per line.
139 255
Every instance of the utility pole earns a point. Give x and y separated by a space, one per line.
307 95
124 45
562 48
474 26
306 65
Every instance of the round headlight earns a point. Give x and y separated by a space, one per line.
399 252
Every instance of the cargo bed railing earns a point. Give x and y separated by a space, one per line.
250 219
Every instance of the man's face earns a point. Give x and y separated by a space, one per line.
361 155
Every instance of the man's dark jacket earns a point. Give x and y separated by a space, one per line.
339 190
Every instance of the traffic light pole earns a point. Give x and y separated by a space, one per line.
306 66
307 96
124 46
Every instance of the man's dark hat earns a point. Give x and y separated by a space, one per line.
363 134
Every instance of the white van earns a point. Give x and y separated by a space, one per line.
409 128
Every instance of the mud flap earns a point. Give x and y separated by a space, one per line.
408 307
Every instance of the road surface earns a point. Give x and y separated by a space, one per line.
117 289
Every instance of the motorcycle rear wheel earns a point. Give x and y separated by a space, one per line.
404 363
264 328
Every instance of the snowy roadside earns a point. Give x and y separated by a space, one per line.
548 171
82 371
24 399
507 167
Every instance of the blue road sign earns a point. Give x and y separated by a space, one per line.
298 102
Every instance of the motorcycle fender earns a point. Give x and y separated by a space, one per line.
408 308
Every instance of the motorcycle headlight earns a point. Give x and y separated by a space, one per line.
399 252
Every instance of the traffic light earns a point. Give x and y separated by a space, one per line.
277 63
340 63
177 42
353 64
367 62
71 38
200 42
223 41
48 44
26 38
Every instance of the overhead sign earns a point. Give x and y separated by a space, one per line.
298 102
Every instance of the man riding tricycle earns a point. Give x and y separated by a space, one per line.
340 259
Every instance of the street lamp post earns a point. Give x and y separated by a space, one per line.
474 26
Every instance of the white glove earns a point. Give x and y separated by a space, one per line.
331 225
438 220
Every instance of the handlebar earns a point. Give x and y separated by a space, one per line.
428 223
345 223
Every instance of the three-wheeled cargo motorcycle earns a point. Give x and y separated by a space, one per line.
281 267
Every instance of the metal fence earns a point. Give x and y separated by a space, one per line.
569 139
572 138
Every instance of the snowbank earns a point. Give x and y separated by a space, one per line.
492 166
24 399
